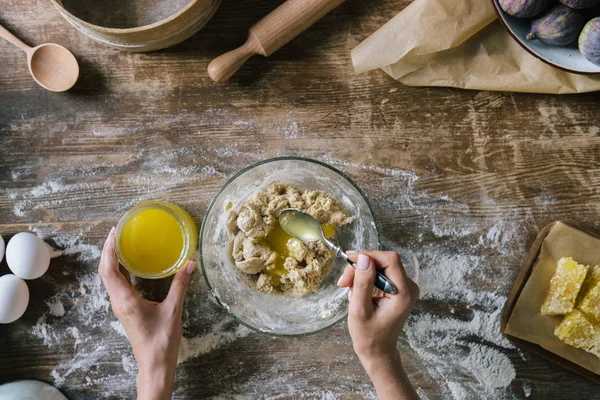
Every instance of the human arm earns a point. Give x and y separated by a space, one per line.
375 322
153 329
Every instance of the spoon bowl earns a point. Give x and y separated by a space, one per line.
53 67
305 227
301 225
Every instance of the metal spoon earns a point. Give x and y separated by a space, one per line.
305 227
52 66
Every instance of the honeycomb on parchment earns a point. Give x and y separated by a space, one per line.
590 295
578 331
564 287
591 280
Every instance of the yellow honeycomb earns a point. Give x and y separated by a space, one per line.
590 296
591 280
577 331
564 287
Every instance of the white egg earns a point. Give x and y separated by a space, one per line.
27 256
14 298
2 247
29 390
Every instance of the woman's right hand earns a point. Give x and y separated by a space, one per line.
375 322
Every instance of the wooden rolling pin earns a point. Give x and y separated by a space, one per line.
270 33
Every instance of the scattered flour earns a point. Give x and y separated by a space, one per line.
194 347
55 194
274 384
460 263
116 325
80 313
500 236
463 277
54 187
129 365
42 331
491 367
73 246
457 391
454 231
81 362
159 171
396 172
75 333
56 307
467 342
290 131
68 244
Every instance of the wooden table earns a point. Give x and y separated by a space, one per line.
451 174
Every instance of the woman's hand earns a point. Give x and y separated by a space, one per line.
375 322
153 329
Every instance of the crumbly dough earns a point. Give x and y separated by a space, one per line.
306 264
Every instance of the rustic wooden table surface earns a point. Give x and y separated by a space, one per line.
461 182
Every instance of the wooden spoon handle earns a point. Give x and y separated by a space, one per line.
272 32
5 33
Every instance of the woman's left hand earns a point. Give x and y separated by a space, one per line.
153 329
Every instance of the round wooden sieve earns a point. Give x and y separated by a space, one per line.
137 25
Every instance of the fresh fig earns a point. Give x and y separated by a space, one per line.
523 8
589 41
560 26
580 4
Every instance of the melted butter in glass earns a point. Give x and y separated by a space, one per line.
152 240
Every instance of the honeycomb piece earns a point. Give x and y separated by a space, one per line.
590 302
564 287
591 280
578 331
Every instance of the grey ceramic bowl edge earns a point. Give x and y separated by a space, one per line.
522 42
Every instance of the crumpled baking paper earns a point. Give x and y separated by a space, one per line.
460 43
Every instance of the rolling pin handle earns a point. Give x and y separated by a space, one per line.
223 67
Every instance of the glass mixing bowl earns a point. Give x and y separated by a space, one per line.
272 313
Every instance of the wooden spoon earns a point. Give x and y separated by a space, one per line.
52 66
272 32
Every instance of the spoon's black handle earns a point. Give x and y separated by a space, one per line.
384 284
381 282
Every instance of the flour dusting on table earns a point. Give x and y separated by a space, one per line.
450 259
85 304
461 264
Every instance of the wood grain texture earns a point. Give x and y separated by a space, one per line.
139 126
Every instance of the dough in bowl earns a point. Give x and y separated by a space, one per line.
277 262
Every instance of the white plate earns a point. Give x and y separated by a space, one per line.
566 58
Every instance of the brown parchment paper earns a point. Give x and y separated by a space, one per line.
460 43
526 322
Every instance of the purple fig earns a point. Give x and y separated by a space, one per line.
580 4
523 8
560 26
589 41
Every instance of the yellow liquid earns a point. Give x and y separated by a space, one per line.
152 240
277 240
328 230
